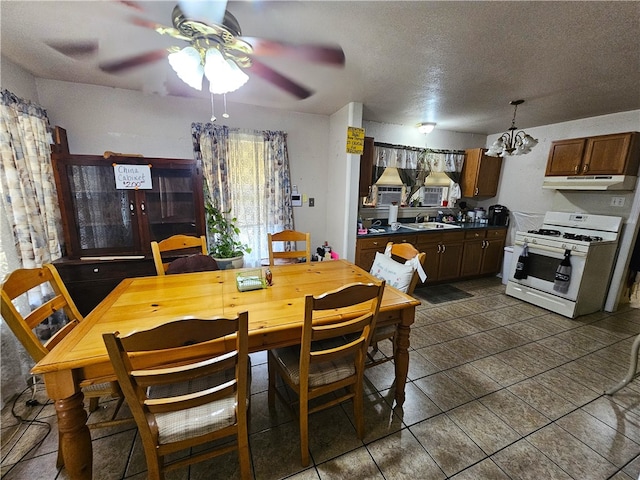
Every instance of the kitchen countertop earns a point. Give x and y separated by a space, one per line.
386 229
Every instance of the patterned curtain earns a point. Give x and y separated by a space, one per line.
31 223
450 163
247 172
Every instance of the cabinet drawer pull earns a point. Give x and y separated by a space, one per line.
96 270
444 248
585 168
476 191
576 169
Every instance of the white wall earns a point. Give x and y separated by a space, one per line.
344 174
409 136
17 80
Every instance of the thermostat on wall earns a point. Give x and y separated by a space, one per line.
296 198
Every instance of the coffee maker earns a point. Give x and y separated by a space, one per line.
499 215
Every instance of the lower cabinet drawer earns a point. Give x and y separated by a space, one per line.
89 282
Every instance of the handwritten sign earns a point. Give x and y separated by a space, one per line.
132 177
355 140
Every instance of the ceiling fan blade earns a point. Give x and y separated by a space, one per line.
158 27
76 48
132 62
312 53
279 80
210 12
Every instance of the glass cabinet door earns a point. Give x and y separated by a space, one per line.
171 203
104 217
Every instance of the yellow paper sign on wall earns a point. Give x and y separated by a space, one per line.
355 140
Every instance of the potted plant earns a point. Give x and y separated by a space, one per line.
224 246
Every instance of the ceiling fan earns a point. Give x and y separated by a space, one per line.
208 28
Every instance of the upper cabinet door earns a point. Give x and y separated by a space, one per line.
611 154
565 157
174 205
480 174
97 218
366 168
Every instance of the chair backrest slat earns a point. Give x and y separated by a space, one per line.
19 283
176 243
289 236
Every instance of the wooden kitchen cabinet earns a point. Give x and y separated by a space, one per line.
443 255
615 154
366 168
482 253
480 174
101 220
366 248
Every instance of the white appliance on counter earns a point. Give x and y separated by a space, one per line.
592 241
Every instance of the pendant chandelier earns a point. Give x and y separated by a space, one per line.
512 142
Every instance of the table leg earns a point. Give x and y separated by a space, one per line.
75 439
401 359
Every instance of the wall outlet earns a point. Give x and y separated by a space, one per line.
312 201
617 201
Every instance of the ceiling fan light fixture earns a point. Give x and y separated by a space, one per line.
512 142
426 127
224 75
187 63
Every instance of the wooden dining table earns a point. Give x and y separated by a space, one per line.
276 314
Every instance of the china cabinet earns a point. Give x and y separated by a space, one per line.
102 218
108 227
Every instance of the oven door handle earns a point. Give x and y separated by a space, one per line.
533 247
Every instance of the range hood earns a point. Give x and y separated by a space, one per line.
590 182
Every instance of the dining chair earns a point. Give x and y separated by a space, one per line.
186 382
14 292
400 253
331 356
289 236
176 244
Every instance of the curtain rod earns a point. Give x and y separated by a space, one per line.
416 149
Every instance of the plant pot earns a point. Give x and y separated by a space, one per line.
229 263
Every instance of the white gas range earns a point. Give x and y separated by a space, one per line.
589 241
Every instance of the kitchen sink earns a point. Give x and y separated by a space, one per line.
428 226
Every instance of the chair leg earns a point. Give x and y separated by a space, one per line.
60 459
93 404
117 409
358 410
243 455
633 367
304 432
271 394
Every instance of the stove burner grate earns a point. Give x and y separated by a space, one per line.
582 238
546 232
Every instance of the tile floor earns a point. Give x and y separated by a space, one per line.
497 389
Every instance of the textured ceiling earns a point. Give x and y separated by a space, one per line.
454 63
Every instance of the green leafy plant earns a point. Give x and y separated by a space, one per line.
223 234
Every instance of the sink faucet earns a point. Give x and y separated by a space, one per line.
419 216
